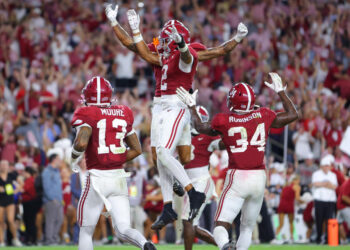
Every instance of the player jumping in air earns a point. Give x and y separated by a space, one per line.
102 130
244 132
175 62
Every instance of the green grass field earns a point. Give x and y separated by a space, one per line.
196 247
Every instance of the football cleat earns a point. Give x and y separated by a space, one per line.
149 246
177 188
229 246
167 216
196 201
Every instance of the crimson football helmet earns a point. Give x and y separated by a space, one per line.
166 44
203 114
97 91
241 98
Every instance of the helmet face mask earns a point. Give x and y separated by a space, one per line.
241 98
97 92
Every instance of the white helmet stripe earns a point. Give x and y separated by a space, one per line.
249 97
98 90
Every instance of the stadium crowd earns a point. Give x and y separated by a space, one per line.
49 49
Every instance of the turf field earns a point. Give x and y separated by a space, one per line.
196 247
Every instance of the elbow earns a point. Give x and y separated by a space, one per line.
138 151
81 146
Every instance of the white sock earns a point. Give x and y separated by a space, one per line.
85 238
245 237
173 166
221 236
166 182
130 235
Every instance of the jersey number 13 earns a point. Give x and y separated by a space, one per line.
102 148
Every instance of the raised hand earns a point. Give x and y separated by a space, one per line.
276 84
111 13
134 21
173 34
242 32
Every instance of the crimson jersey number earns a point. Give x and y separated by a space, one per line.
102 147
258 138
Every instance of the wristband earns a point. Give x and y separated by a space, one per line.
184 49
237 38
77 153
138 38
136 31
114 23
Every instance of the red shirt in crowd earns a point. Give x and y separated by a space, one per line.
343 190
29 192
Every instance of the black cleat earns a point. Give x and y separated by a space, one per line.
149 246
167 216
177 188
196 201
229 246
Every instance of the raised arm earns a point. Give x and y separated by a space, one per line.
134 145
186 57
141 46
290 114
190 101
226 47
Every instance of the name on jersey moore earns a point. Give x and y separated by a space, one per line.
245 119
113 112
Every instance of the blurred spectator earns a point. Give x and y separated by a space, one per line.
305 171
8 188
343 207
31 205
52 199
324 183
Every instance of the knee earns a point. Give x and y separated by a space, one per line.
162 154
185 158
247 225
121 229
87 230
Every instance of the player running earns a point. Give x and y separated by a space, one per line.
244 132
102 131
198 171
177 62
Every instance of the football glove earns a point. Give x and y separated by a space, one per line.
242 32
276 84
186 97
174 35
134 21
111 14
74 163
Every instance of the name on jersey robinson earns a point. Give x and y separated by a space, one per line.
256 115
113 112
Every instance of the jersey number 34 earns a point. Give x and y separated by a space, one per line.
258 138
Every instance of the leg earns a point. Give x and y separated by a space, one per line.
291 226
250 212
49 222
280 223
58 222
2 224
188 234
121 224
89 209
10 214
204 235
319 219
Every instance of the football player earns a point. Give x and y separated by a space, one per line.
202 146
203 55
244 133
106 137
161 61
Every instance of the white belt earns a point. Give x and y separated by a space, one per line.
96 174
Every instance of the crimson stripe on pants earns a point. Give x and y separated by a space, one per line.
177 125
221 203
83 198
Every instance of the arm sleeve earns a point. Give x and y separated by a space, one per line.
81 117
218 123
269 116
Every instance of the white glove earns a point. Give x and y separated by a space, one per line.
134 21
112 14
186 97
74 164
174 35
276 84
242 32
